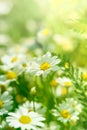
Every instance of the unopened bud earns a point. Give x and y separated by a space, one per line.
33 91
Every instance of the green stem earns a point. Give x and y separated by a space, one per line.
33 104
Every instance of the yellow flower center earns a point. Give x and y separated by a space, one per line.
64 91
44 66
74 105
84 76
54 83
67 83
11 75
30 110
45 32
19 98
65 114
25 119
14 59
1 103
24 65
3 87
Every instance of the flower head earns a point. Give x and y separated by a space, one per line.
45 64
68 110
24 119
38 107
12 61
43 34
64 81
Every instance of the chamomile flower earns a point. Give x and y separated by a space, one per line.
8 76
5 103
64 81
74 104
43 34
44 65
57 89
61 86
11 61
25 120
38 107
4 85
16 49
67 111
60 91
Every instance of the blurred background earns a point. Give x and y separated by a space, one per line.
38 26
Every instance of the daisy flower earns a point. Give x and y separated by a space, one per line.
5 103
43 34
60 91
44 65
8 76
74 104
4 85
61 86
12 61
64 81
16 49
38 107
25 120
57 89
68 111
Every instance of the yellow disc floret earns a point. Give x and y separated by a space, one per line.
44 66
1 103
45 32
19 98
11 75
14 59
64 91
24 65
54 83
84 76
24 119
67 83
65 114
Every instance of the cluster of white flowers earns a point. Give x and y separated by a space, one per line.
27 85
